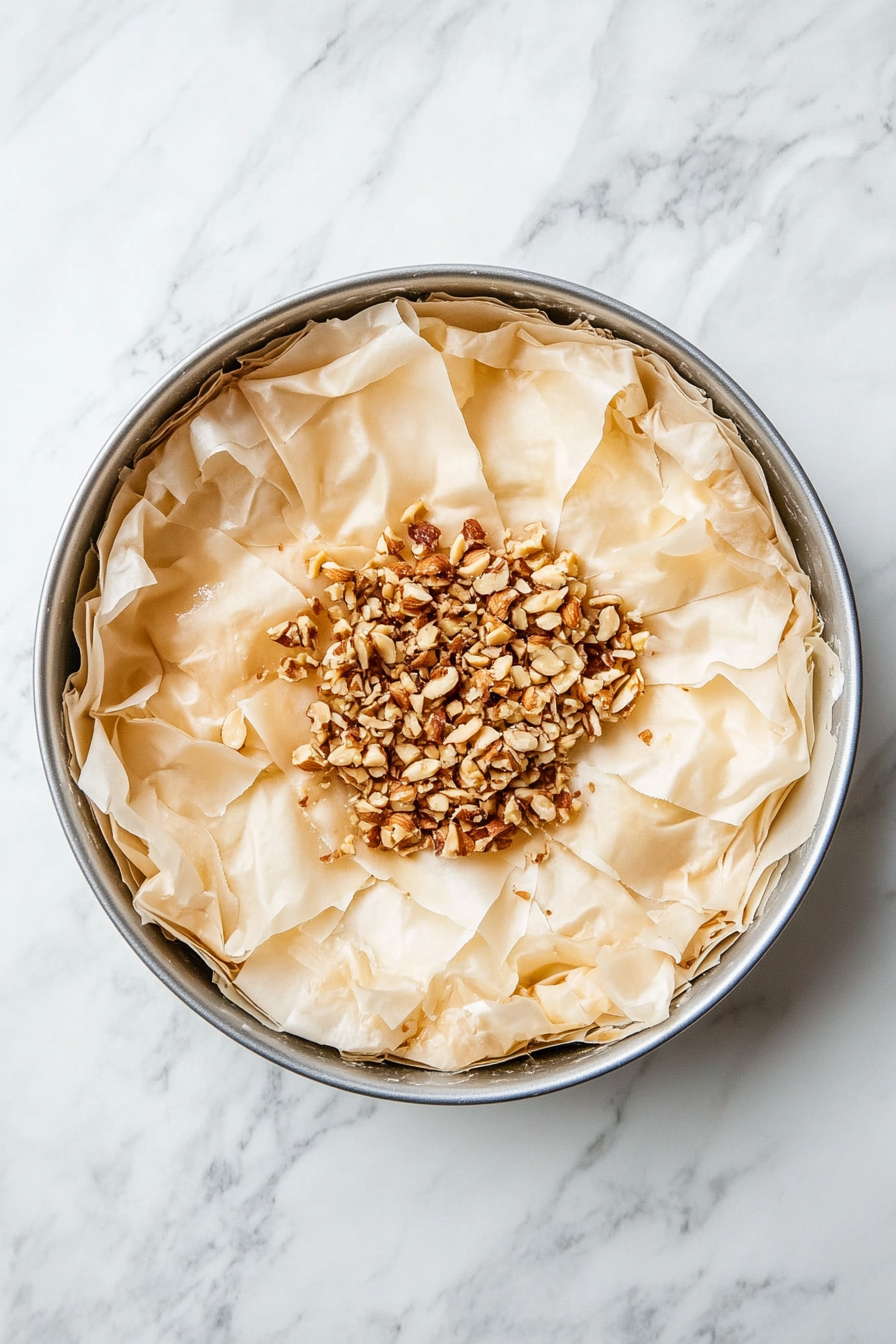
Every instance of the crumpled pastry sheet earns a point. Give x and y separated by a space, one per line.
584 934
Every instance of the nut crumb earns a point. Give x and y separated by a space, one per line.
315 563
233 730
415 511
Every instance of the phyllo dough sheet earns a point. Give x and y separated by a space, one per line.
582 932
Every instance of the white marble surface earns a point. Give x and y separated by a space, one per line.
169 167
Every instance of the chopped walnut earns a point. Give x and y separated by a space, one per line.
456 685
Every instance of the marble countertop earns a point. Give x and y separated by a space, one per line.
167 169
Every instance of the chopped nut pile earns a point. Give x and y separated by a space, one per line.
456 684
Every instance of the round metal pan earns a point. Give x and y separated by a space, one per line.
56 657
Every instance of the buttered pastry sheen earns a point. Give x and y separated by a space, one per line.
450 684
